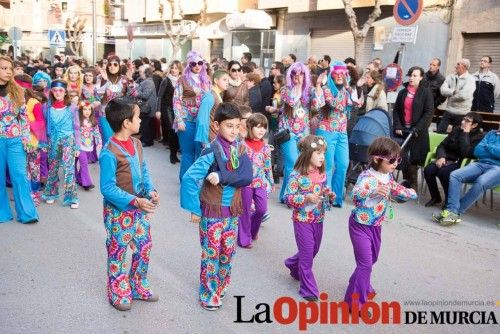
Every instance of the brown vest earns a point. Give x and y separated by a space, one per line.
123 168
212 133
188 94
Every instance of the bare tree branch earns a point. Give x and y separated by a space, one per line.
360 35
176 37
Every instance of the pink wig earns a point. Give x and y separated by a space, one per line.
306 86
204 78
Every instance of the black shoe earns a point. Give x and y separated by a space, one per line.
311 298
32 221
432 202
87 188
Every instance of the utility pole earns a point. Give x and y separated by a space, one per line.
94 33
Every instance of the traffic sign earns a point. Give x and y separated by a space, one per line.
15 33
406 12
57 38
393 77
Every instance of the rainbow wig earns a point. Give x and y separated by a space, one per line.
337 66
306 87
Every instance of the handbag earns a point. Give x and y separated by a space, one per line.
282 136
143 106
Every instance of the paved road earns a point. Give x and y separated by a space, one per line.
52 276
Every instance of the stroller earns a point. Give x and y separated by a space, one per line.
375 123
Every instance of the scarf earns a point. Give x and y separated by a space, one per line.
235 83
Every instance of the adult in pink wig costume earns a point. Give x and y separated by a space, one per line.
334 99
294 115
189 89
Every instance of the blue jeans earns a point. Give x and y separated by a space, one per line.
12 155
483 176
337 155
289 153
189 148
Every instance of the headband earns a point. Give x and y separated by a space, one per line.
25 85
61 84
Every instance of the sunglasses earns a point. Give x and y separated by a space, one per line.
296 74
114 64
193 64
390 160
236 70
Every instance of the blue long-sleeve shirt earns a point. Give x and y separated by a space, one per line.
488 149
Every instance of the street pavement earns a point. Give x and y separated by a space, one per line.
53 274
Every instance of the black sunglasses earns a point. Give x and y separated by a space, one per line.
113 64
236 70
193 64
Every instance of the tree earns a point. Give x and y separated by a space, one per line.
74 31
360 35
178 34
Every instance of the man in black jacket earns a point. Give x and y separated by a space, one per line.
435 79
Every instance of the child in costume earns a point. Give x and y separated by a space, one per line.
129 196
372 196
211 191
63 132
90 141
262 185
308 194
38 133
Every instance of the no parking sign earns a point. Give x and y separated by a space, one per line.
406 12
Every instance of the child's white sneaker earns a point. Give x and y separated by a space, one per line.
50 201
74 205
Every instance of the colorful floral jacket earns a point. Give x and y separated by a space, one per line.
295 196
262 168
13 121
110 90
90 137
91 93
299 123
338 103
369 208
186 109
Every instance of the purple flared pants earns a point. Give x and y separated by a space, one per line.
308 238
249 225
366 240
82 169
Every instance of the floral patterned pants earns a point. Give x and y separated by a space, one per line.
34 159
124 228
62 154
218 244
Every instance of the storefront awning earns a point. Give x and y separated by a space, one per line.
250 19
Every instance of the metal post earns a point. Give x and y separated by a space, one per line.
94 32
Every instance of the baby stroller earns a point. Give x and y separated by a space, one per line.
375 123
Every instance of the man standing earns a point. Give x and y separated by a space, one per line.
487 87
435 79
459 89
324 65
